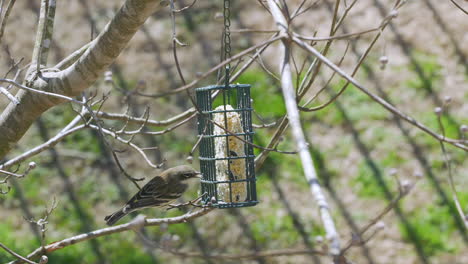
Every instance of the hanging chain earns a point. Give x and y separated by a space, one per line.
227 32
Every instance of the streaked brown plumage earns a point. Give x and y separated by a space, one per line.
158 192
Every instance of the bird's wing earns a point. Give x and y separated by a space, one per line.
153 193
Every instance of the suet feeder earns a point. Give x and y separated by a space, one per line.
226 153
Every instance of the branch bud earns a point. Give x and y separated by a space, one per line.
393 13
44 259
418 174
447 99
383 61
464 128
32 165
108 77
406 186
318 239
380 225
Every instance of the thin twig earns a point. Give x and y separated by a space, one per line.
150 122
212 70
457 143
344 36
73 57
40 36
5 18
117 229
249 143
459 7
403 193
60 96
331 100
16 254
450 173
185 7
68 130
253 255
9 95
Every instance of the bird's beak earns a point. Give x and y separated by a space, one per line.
198 175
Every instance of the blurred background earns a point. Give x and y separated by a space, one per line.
356 144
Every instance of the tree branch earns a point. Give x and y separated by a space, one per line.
457 143
254 255
116 229
138 120
69 129
16 119
23 259
295 123
5 18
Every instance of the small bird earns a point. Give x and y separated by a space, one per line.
158 192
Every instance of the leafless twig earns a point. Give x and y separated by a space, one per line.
68 130
18 256
294 120
10 97
212 70
5 16
31 166
117 229
254 255
457 143
185 7
403 192
439 112
459 6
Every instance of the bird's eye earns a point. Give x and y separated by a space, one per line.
187 175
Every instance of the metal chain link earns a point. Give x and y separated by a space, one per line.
227 32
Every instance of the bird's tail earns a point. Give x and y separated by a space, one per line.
113 218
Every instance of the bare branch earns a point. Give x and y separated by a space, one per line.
294 119
18 256
459 6
72 58
457 143
402 194
15 120
10 97
117 229
126 142
448 164
37 58
247 142
68 130
5 18
260 159
185 7
344 36
49 28
40 92
248 30
212 70
253 255
316 108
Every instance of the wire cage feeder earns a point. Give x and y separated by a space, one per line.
226 157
